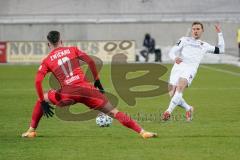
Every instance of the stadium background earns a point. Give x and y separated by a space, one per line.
93 20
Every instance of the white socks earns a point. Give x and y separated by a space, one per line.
184 105
178 100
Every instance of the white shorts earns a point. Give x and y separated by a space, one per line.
181 71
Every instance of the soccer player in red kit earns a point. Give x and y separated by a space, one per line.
64 63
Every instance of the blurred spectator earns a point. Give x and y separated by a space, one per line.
158 54
238 41
149 48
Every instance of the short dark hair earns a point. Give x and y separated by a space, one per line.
147 36
197 23
53 37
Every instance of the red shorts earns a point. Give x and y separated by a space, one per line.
84 93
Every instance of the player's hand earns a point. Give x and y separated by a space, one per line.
218 28
47 109
178 60
97 84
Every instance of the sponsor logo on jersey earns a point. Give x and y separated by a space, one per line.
73 78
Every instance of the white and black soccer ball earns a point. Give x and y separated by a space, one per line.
103 120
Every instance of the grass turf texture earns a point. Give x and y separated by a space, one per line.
213 134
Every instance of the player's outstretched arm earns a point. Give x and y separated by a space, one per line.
220 48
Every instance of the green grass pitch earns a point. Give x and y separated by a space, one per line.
214 133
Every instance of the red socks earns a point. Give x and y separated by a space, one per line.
128 122
36 115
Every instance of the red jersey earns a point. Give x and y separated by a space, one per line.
64 63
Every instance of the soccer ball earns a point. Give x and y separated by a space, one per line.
103 120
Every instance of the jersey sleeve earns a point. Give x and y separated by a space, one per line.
175 50
216 49
84 57
42 71
43 68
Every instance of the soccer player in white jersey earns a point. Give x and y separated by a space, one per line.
187 54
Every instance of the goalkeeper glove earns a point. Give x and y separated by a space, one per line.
97 84
47 109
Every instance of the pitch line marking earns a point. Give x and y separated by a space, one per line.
220 70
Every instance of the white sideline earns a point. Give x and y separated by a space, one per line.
198 88
220 70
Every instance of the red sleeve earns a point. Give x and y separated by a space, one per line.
84 57
42 71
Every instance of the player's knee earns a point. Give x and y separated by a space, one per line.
171 93
181 87
182 84
170 87
109 109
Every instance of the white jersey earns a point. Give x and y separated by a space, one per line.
191 51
